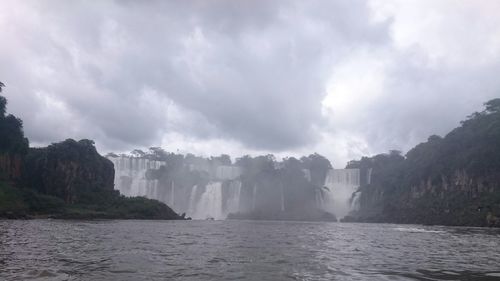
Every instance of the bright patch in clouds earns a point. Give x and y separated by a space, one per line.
343 79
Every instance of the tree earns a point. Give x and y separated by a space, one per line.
223 159
3 102
492 106
112 154
318 166
138 153
12 138
158 153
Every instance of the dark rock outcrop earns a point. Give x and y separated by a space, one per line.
453 180
10 166
64 180
68 169
13 144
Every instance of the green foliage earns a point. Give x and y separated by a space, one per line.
223 159
12 140
318 166
422 187
492 106
41 203
68 169
110 204
66 179
272 177
3 106
11 200
3 102
19 202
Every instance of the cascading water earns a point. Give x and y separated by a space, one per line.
343 183
254 196
355 201
224 194
192 201
172 194
282 198
227 172
234 197
319 198
214 200
212 203
369 176
130 176
307 174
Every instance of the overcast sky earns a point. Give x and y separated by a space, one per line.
341 78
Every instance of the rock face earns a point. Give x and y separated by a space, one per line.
13 144
34 180
456 199
68 169
10 166
453 180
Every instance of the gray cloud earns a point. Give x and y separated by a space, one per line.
255 73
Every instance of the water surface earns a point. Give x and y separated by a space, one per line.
244 250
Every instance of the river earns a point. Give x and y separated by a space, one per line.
244 250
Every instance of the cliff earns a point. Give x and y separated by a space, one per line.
10 166
76 173
456 199
13 144
64 180
68 169
453 180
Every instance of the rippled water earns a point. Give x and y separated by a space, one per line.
245 250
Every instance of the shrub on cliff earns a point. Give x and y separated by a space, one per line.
68 169
449 180
13 144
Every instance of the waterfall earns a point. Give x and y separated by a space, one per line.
307 174
234 197
192 201
318 198
254 195
210 203
172 195
227 172
369 176
151 188
282 198
130 176
355 201
342 184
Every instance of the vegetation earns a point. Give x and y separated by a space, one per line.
13 144
288 178
64 180
452 180
111 205
68 170
18 202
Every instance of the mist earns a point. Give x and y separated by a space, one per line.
250 140
259 187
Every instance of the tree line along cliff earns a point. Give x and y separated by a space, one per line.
450 180
68 179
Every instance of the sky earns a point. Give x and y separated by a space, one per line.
340 78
